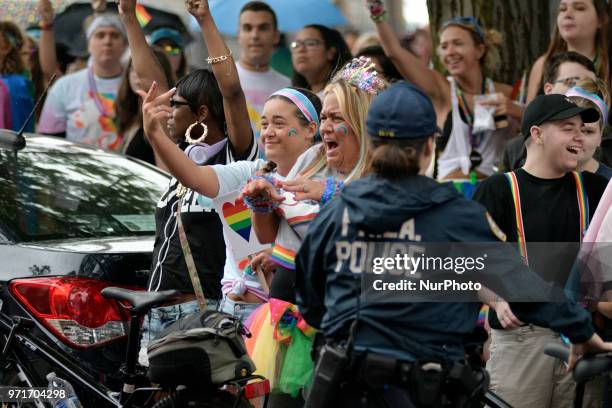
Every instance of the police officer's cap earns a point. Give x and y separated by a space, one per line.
402 111
548 108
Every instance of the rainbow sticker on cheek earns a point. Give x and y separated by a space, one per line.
342 129
292 132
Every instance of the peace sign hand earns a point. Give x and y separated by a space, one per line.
156 110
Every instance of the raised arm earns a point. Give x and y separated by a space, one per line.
155 110
411 67
535 79
224 69
46 47
143 59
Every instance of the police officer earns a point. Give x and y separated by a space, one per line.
405 353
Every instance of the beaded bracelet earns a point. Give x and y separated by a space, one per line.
377 11
219 59
332 187
262 205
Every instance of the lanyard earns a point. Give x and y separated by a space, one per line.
475 139
583 209
93 90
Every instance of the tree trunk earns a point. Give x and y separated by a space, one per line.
524 25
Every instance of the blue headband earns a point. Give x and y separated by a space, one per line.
302 102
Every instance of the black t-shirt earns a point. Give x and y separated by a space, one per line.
140 148
550 214
204 233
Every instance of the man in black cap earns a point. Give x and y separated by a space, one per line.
396 350
542 202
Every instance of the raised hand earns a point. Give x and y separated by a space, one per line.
198 8
47 14
98 6
377 9
127 7
156 110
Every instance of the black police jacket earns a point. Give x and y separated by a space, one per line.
328 285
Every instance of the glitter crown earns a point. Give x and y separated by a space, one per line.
361 73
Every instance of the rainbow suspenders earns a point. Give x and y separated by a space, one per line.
583 208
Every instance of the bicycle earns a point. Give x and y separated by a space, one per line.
234 393
586 369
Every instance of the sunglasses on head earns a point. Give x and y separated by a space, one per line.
471 22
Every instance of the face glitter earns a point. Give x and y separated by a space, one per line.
342 129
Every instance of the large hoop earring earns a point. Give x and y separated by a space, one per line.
201 138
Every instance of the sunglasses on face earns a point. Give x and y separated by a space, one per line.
174 103
308 43
170 50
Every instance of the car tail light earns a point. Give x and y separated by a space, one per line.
73 309
256 389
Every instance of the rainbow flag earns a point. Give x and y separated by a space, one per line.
142 15
283 257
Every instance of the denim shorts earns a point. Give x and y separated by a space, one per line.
160 318
241 310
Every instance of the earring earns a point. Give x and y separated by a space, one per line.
201 138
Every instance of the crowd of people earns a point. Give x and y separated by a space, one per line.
362 142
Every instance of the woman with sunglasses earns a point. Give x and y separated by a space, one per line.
469 54
582 26
171 42
317 53
207 119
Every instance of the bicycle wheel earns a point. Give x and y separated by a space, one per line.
204 399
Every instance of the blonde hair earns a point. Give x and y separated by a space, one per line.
491 39
354 104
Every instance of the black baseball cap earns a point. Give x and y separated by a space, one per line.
548 108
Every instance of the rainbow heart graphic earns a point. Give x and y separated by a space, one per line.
238 217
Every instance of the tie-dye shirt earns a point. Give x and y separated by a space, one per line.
258 86
84 115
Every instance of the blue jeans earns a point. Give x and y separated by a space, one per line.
160 318
241 310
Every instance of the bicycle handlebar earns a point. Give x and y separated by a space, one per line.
587 367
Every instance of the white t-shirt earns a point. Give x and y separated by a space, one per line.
86 115
258 86
297 215
232 177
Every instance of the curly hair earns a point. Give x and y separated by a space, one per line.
13 37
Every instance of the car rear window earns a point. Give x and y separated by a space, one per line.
51 195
